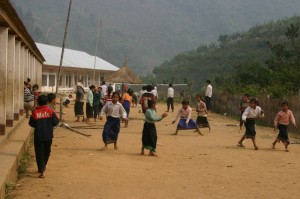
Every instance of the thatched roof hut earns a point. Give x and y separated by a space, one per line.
124 75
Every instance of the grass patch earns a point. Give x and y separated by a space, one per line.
24 162
9 188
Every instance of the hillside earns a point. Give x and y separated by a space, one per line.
265 59
147 32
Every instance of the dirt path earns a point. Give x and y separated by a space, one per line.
188 166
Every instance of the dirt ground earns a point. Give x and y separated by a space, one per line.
188 166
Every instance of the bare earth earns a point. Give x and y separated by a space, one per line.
188 166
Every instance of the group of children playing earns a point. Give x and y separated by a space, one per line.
44 119
250 111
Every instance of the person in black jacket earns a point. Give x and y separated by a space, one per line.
43 119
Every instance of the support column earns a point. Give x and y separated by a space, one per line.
3 77
26 70
18 81
9 104
22 78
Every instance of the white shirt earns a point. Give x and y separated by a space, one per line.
114 110
184 113
252 113
171 92
104 88
208 91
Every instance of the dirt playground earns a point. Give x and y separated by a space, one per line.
188 165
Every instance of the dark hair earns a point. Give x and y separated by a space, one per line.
170 85
144 87
92 87
42 100
51 97
28 79
70 95
198 95
35 86
109 90
149 88
151 103
25 83
130 91
246 95
185 102
253 100
116 93
103 82
284 103
208 81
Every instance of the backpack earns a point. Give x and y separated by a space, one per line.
144 100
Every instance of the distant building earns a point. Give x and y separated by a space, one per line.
19 59
77 65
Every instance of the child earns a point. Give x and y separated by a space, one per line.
89 104
243 105
67 100
101 100
146 96
43 119
149 137
170 98
281 122
185 121
51 100
202 113
96 102
114 111
250 114
126 102
79 103
35 90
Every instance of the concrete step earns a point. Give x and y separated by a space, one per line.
10 152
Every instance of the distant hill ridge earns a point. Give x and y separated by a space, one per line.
146 32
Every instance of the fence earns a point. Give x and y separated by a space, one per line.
227 103
181 91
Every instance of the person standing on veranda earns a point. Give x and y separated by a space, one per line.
208 94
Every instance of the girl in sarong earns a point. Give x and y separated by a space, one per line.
281 122
249 116
202 113
114 111
149 137
185 122
126 102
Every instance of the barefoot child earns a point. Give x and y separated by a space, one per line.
281 122
43 119
149 137
127 102
185 122
243 105
250 114
202 113
114 111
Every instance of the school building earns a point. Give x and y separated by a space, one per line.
76 65
19 59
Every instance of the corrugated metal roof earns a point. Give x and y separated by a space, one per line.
73 58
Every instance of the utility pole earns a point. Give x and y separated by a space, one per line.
61 58
99 26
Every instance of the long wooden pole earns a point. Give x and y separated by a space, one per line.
96 48
61 58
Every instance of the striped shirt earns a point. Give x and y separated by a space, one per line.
28 96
